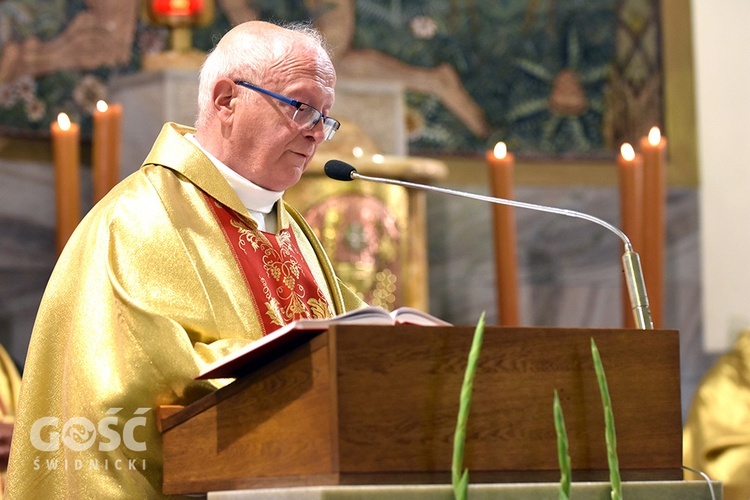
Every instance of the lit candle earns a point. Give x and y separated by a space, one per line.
106 148
501 164
630 173
66 155
653 150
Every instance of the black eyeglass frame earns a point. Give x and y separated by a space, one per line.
330 125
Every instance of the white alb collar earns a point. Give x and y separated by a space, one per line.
252 196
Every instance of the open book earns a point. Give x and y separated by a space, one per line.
297 332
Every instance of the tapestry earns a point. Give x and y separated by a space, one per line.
551 78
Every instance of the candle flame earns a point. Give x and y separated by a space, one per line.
627 151
63 121
654 136
358 152
500 151
101 106
378 158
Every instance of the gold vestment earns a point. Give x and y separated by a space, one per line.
716 438
146 293
10 385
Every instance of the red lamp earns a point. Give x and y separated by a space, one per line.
177 8
179 16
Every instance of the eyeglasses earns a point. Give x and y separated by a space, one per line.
306 116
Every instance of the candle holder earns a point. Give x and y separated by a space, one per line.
179 17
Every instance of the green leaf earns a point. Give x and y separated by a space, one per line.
461 488
563 456
609 422
461 479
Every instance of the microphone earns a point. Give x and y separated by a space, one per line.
631 262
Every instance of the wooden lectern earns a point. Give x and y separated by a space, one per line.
378 405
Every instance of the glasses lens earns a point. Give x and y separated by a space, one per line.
330 126
306 116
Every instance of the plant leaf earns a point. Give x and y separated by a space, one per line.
609 422
461 489
461 479
563 456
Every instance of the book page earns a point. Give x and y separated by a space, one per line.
409 315
302 330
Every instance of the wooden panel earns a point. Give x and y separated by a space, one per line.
276 421
399 401
376 405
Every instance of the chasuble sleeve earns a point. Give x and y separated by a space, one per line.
134 309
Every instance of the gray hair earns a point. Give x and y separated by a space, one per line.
250 57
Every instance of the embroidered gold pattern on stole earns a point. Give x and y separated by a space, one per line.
286 297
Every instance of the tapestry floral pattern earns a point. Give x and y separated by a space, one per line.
550 78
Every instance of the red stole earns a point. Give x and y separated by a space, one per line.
276 274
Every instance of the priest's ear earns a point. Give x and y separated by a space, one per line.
224 99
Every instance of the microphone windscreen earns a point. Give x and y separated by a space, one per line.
339 170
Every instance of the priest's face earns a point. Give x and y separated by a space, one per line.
270 146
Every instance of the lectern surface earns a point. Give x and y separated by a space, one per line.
668 490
